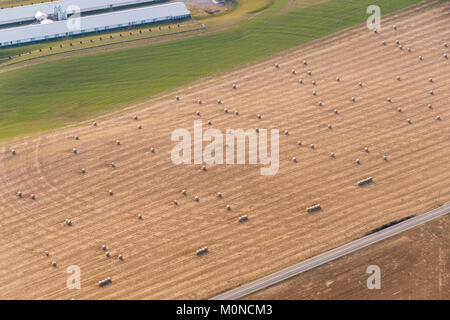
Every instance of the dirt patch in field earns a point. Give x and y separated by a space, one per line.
208 7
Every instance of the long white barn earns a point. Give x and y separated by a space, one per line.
27 13
95 23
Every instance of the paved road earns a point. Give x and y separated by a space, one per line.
332 255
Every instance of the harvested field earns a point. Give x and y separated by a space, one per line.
159 249
414 265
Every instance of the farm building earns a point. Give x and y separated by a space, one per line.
95 23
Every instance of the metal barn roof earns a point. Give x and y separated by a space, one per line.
27 13
93 23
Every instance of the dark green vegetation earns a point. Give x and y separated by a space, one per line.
55 93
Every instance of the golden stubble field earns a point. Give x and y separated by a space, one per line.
159 250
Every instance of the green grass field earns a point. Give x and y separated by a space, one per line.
56 93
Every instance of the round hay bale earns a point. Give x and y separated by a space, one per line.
310 73
395 27
432 92
314 93
384 43
300 81
107 254
409 50
375 31
152 150
299 143
68 222
338 79
177 98
139 127
219 101
46 253
399 109
277 65
236 112
135 117
366 149
320 103
313 82
420 58
305 63
94 124
332 155
286 132
175 202
76 137
360 84
219 195
140 216
385 158
183 192
110 192
294 159
83 170
336 111
234 86
204 168
409 121
259 116
312 146
358 161
398 78
74 150
445 56
329 126
397 42
118 142
353 99
33 197
400 47
228 207
209 122
104 247
19 194
430 79
196 198
389 100
120 256
430 106
293 71
197 113
199 101
445 45
225 110
113 165
257 130
438 118
13 152
54 264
